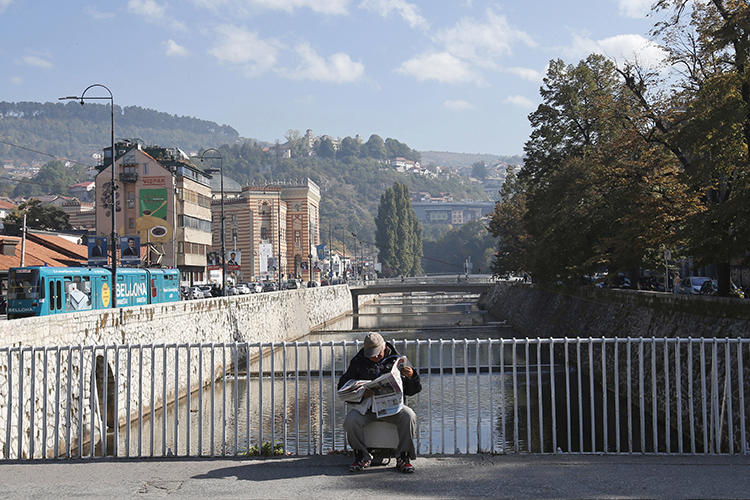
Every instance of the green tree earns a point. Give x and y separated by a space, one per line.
53 178
398 233
38 216
349 148
375 147
479 170
448 253
592 192
704 120
325 149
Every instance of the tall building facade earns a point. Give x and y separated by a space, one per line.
271 230
161 198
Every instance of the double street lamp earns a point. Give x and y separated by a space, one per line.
223 248
113 246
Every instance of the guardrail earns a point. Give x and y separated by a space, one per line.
573 395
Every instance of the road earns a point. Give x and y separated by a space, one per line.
475 476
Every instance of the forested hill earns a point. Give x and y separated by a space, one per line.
75 132
351 180
464 161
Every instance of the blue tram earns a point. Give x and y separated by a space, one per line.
40 291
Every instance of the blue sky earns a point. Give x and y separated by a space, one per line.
457 75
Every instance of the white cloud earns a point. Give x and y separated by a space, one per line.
457 105
635 8
337 68
520 101
529 74
481 41
321 6
4 5
154 12
408 11
439 66
36 61
16 80
148 8
175 49
620 48
244 48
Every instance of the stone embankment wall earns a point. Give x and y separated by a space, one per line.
590 312
75 375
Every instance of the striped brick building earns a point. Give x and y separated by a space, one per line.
267 221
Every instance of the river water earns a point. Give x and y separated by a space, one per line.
286 395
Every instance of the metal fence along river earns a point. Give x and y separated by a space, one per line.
565 395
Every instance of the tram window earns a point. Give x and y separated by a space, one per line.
51 294
77 293
58 304
24 284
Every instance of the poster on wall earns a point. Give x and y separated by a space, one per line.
234 259
130 250
98 251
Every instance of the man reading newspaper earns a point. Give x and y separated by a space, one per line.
373 385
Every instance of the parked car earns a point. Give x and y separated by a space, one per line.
255 287
290 285
206 289
270 286
242 289
312 284
232 290
692 285
196 293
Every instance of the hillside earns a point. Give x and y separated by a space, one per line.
351 184
351 178
464 161
75 132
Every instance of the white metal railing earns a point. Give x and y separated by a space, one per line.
573 395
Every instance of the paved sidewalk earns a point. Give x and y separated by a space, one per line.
327 477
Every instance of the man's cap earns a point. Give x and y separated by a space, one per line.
374 343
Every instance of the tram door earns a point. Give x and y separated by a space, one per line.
56 299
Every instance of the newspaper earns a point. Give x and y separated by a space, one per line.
387 389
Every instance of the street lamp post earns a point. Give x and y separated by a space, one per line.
223 249
113 245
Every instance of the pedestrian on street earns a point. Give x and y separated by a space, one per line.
373 360
676 283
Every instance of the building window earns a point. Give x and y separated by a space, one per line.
194 223
234 219
264 233
145 169
131 223
180 247
131 199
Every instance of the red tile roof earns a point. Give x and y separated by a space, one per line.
7 205
60 244
39 255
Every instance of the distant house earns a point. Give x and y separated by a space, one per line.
84 191
6 207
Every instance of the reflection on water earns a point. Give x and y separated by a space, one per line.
467 403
